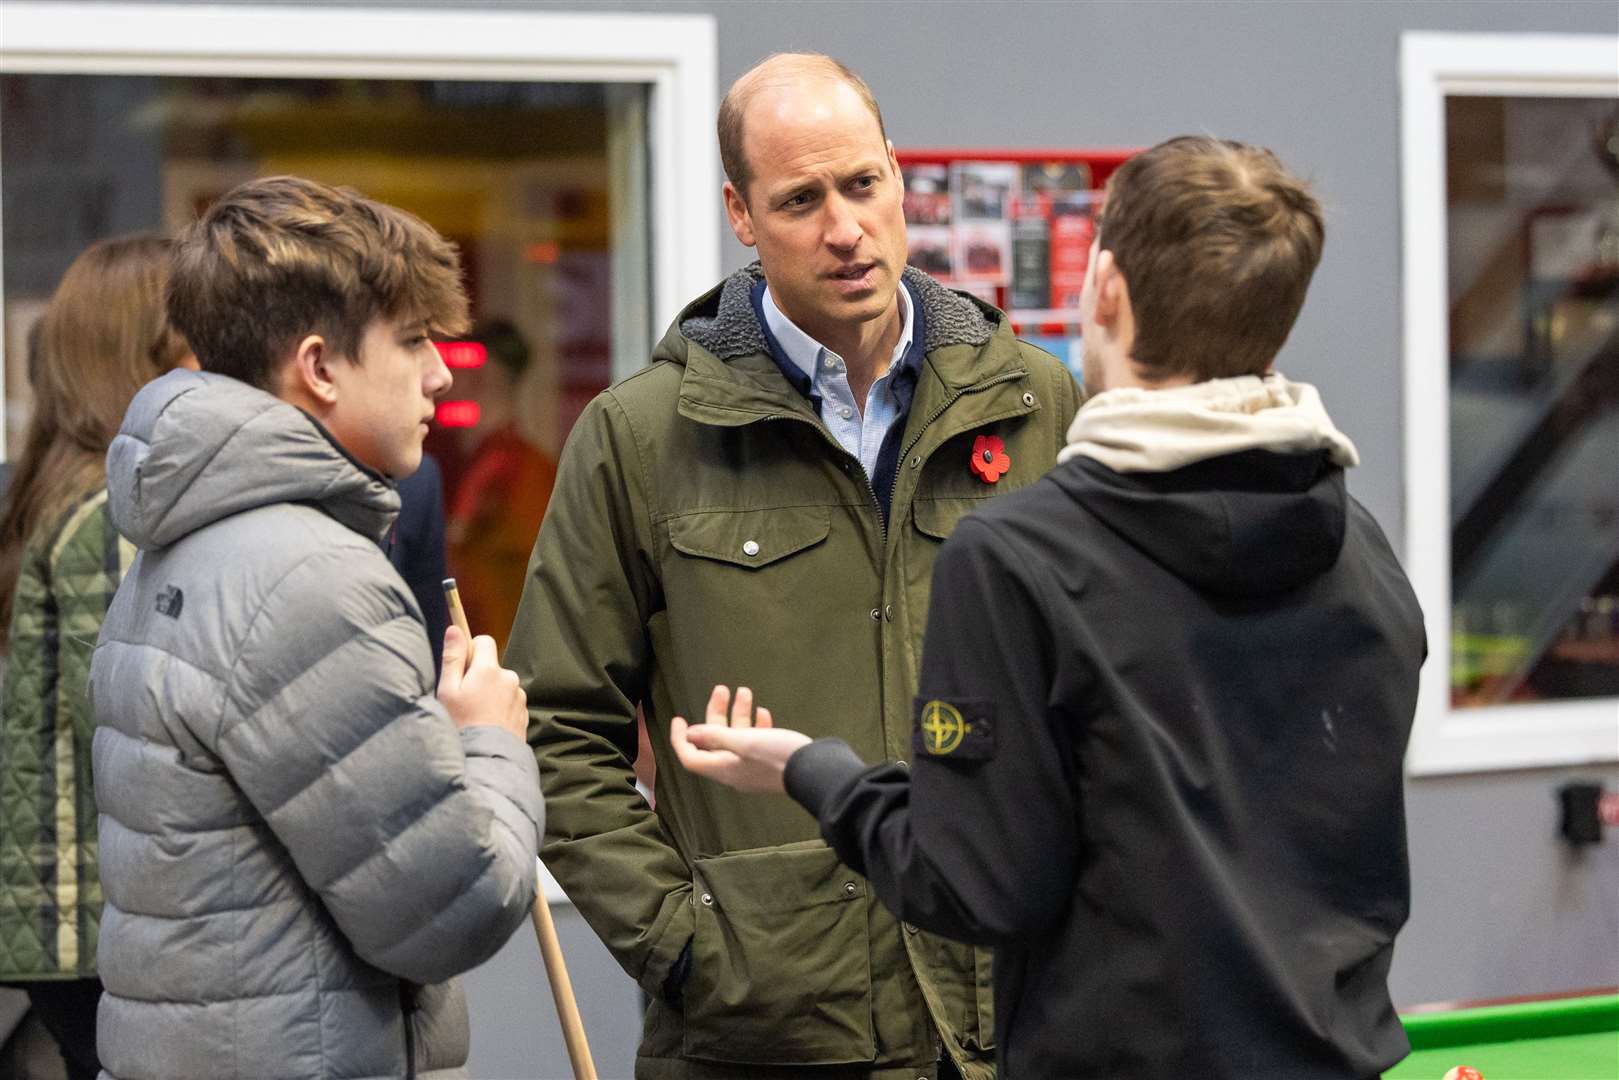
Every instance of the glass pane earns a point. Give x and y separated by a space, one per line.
1533 239
542 185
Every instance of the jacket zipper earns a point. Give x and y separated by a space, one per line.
939 410
882 519
950 400
408 1006
905 451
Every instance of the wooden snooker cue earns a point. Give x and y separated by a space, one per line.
556 969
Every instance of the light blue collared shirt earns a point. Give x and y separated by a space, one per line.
860 434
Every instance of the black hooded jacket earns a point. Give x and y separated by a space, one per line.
1157 764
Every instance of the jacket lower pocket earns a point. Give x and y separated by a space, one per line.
961 981
781 962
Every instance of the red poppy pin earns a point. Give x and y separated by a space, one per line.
989 461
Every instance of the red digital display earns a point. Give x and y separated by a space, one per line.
457 413
544 252
462 354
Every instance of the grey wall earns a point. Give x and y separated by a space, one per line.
1500 907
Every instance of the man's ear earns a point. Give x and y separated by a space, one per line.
893 160
736 210
1109 288
307 377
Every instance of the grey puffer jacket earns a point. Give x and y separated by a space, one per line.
298 849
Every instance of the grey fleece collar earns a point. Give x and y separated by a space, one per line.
733 330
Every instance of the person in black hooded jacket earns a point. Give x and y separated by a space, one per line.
1165 691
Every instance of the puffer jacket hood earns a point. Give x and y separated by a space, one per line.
1235 485
166 476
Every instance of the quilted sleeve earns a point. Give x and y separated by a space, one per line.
420 840
87 562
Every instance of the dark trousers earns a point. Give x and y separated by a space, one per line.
67 1008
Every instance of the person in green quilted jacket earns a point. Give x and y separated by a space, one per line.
103 336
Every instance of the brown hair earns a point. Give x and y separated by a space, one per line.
278 258
778 69
1217 242
102 337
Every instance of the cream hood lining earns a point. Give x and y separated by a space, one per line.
1138 430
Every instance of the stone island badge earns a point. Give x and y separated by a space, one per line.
990 460
942 727
959 730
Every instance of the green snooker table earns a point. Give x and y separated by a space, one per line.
1549 1038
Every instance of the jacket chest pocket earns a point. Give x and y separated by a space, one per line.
750 539
781 969
735 559
728 580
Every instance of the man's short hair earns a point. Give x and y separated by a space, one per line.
778 69
1217 242
278 258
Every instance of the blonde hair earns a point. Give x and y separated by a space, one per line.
278 258
778 69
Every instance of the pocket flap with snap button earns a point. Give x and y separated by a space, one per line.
750 538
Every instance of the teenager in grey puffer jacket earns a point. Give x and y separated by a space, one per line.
298 848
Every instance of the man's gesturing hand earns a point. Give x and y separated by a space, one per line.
743 750
476 690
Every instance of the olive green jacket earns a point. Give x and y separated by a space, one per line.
50 888
707 528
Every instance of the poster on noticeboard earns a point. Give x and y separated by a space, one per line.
1014 230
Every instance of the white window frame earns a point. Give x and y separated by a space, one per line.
675 54
1432 67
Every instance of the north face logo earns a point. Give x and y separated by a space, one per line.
169 601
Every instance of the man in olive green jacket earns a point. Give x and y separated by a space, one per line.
807 435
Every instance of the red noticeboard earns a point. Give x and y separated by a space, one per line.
1011 226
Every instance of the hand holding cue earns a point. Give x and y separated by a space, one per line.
458 614
556 969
